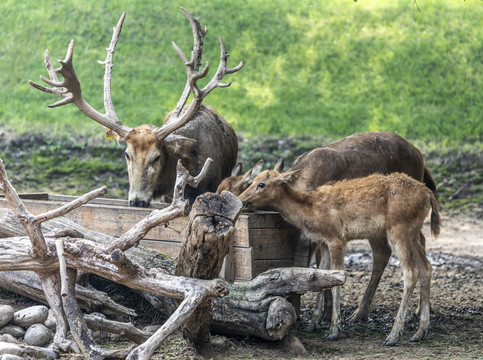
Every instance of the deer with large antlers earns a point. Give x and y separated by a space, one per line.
386 210
192 132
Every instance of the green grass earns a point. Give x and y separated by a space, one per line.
311 67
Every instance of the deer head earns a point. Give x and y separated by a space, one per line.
237 183
266 188
148 147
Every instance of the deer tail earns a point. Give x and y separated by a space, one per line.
435 216
429 182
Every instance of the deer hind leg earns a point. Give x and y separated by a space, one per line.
408 256
323 303
381 252
336 250
425 271
423 244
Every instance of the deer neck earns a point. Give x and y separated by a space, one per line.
294 206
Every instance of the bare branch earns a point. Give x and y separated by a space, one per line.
59 245
70 206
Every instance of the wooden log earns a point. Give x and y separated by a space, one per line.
210 229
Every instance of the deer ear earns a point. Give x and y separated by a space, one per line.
179 144
288 176
237 169
254 171
279 164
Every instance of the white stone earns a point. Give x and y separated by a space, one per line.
6 314
10 349
13 330
10 357
9 338
36 352
51 323
38 335
31 315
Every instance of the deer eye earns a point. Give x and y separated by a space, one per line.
127 156
260 186
156 159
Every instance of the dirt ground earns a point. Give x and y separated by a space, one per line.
456 330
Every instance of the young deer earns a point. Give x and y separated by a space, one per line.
384 209
237 183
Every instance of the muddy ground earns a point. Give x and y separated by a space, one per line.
456 330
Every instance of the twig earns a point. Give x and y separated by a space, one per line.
59 245
459 190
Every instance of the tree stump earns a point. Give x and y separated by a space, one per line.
208 235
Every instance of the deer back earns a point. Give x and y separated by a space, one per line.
358 155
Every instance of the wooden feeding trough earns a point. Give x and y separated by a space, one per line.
262 240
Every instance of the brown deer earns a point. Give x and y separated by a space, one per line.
237 183
355 156
382 208
191 132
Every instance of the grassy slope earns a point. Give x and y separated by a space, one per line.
330 69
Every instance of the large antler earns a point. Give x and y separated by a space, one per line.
70 88
178 118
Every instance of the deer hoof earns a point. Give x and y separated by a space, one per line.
420 334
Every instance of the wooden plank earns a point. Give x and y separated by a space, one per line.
262 219
111 220
273 243
302 251
107 201
257 220
165 247
243 264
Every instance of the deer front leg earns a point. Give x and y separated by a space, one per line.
336 251
322 301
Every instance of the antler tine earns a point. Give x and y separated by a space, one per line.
221 72
69 88
176 120
196 54
108 63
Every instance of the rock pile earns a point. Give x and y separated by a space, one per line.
25 333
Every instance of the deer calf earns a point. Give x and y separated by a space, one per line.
384 209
